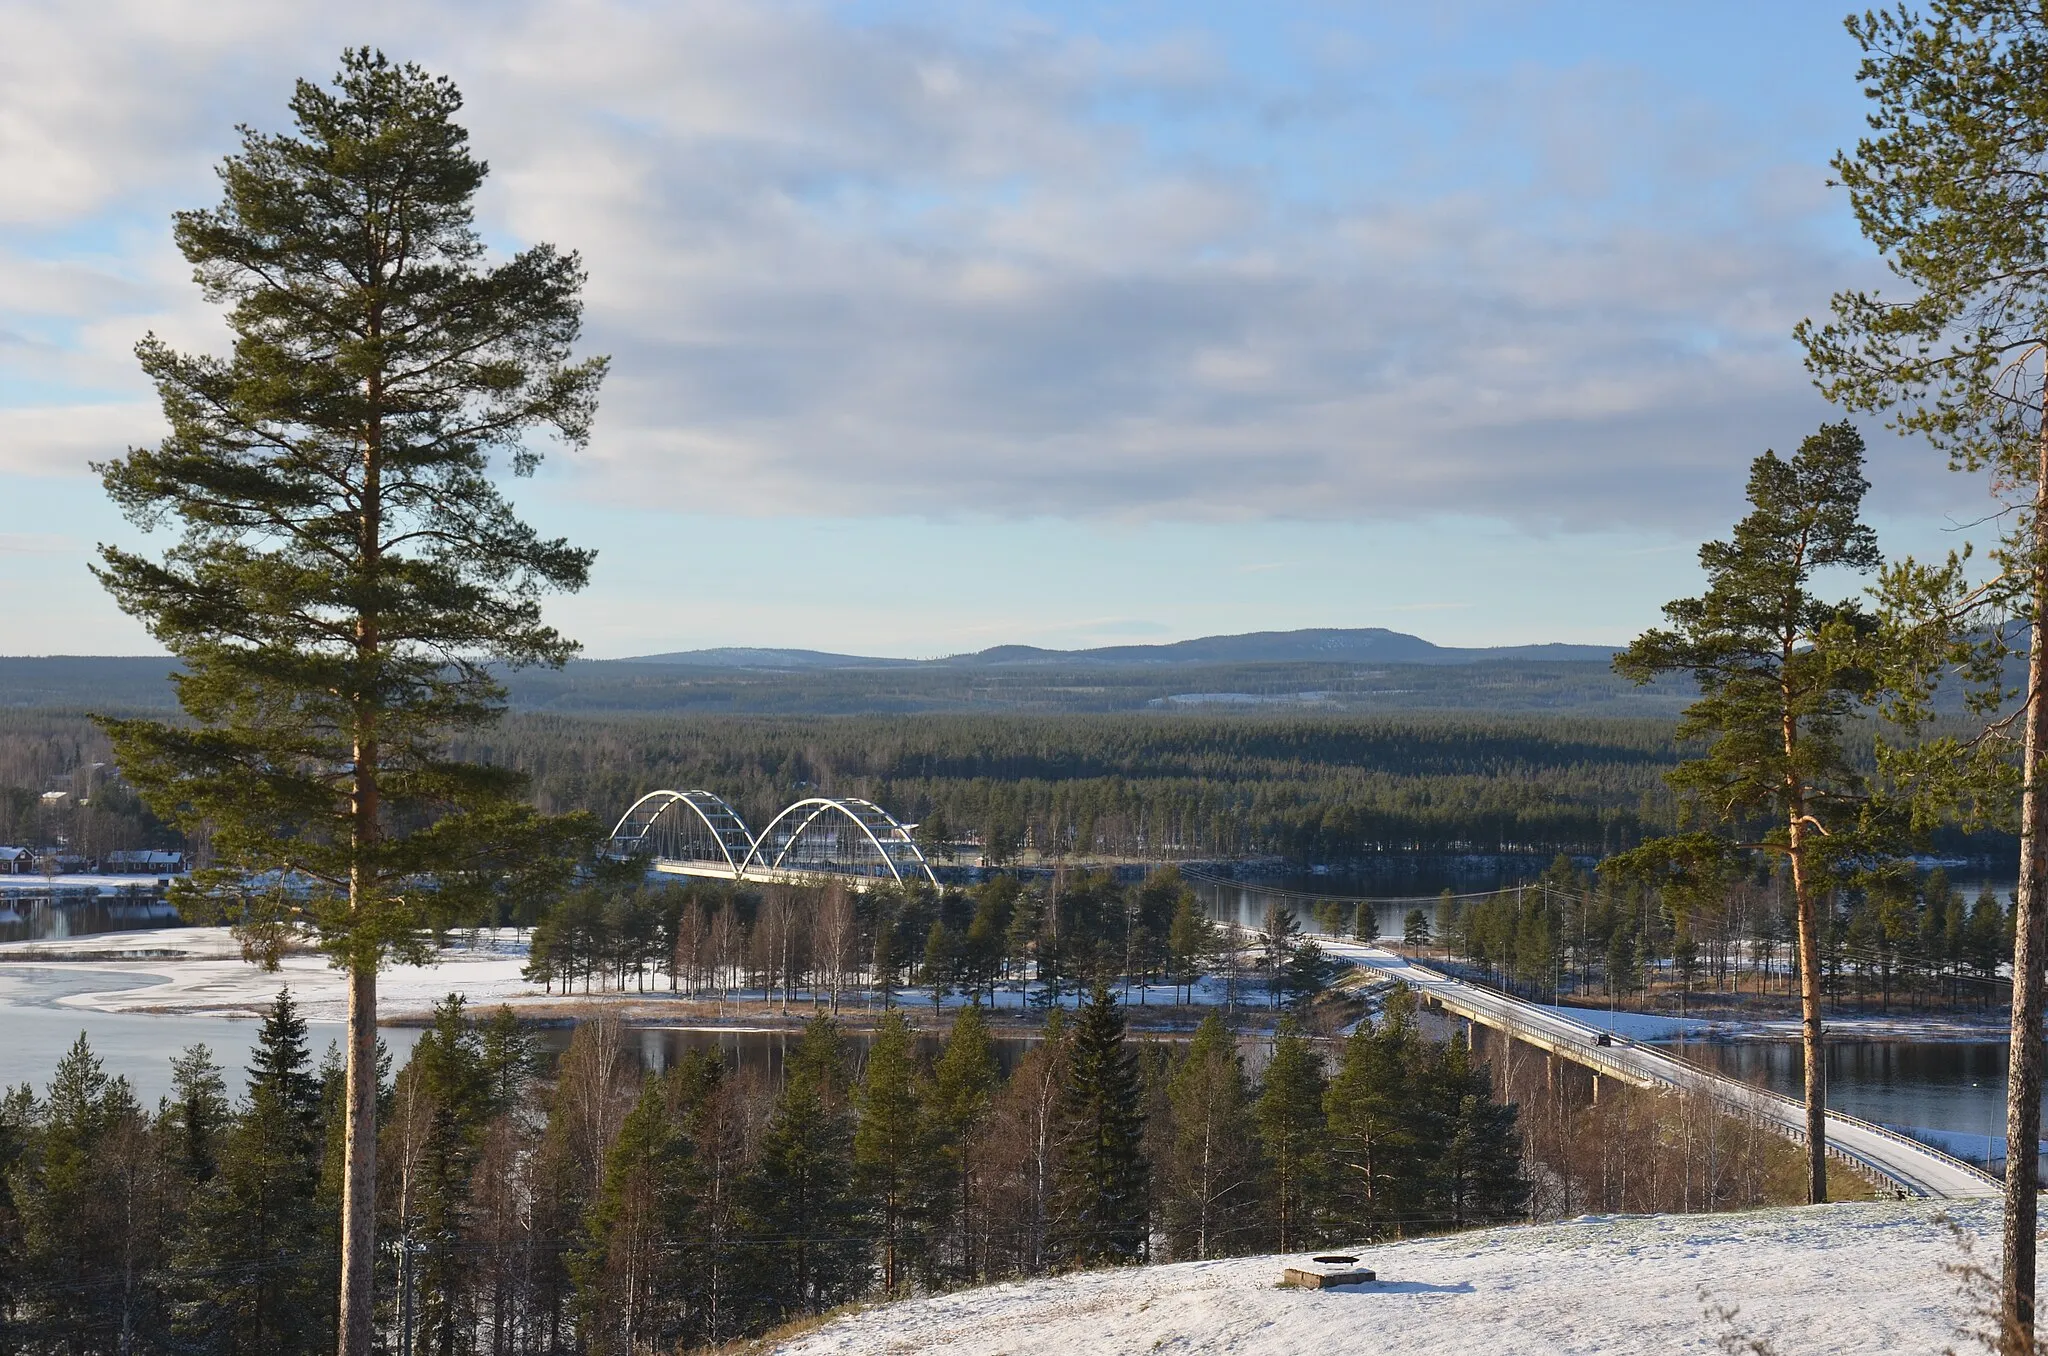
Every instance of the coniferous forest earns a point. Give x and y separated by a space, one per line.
588 1206
1130 785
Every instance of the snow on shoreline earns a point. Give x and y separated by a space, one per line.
200 971
1813 1281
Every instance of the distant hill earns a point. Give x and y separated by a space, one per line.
1328 670
1369 644
741 657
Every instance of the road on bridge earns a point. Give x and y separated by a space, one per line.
1906 1163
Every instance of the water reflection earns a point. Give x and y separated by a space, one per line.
764 1050
1956 1089
38 913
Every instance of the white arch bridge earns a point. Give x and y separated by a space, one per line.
696 833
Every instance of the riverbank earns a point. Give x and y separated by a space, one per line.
199 971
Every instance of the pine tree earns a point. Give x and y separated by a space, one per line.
1190 940
941 957
1211 1187
1279 938
892 1158
254 1266
1948 186
1292 1132
632 1273
1778 670
963 1090
1101 1201
348 571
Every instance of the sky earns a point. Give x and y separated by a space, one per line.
939 326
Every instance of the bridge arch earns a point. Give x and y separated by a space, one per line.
683 826
841 836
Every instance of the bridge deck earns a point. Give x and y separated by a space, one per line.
1905 1163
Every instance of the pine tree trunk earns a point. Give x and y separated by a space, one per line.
1809 1018
357 1328
359 1190
2030 944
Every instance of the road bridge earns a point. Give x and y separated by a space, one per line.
1906 1164
696 833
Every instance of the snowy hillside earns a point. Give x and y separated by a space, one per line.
1832 1279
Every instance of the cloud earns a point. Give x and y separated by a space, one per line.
36 544
1009 268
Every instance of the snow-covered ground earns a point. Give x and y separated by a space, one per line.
1815 1281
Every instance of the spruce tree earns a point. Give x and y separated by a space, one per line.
448 1066
892 1159
16 1110
631 1269
1476 1171
1210 1194
964 1085
1376 1139
348 571
1292 1132
1101 1194
86 1221
799 1203
255 1272
197 1115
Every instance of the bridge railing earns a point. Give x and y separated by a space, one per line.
1680 1074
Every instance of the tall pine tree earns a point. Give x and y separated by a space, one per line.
1778 669
348 571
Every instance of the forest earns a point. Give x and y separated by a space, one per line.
594 1207
1132 786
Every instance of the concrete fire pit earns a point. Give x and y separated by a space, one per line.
1325 1270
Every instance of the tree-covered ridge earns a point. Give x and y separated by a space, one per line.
1142 785
619 686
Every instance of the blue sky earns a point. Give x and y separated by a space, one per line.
942 326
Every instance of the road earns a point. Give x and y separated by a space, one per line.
1907 1164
